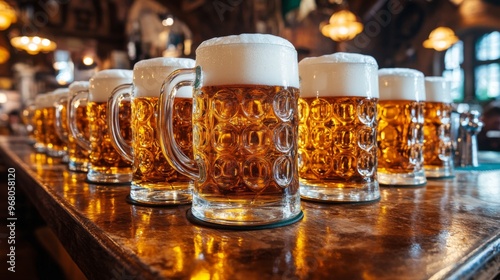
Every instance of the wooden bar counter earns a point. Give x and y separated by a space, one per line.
449 229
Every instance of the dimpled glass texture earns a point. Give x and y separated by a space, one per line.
337 140
244 142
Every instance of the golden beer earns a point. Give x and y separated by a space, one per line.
79 157
438 160
245 129
63 115
151 168
62 124
39 130
103 157
106 165
437 126
337 130
245 135
28 120
154 180
399 136
336 143
400 119
55 146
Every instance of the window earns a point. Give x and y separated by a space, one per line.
64 67
487 71
473 66
453 60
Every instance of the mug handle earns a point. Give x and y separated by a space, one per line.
28 117
169 146
73 104
117 96
61 133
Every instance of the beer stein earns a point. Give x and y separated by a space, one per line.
105 163
400 127
154 180
245 126
55 145
61 121
38 123
338 128
78 156
438 155
28 118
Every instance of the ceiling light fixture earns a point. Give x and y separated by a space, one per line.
343 26
440 39
7 15
4 55
33 44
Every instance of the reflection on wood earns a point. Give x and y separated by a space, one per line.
448 229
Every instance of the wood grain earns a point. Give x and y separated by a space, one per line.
446 230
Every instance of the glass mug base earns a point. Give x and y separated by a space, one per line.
435 172
55 153
65 158
245 212
339 193
78 166
40 148
174 193
402 179
111 178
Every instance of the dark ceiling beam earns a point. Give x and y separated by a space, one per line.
377 6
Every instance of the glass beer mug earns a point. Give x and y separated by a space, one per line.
55 144
338 128
245 124
78 156
40 145
154 180
106 165
28 120
61 105
400 136
438 156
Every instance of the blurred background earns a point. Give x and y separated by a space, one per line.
46 44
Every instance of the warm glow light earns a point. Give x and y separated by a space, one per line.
343 26
87 60
187 46
441 39
59 65
3 97
7 15
46 42
168 21
33 45
4 55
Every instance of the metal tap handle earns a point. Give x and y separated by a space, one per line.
470 126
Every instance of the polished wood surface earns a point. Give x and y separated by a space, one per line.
446 230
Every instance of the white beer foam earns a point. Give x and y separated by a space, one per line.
48 99
401 84
58 94
437 89
257 59
78 86
339 74
61 92
41 100
104 82
149 75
